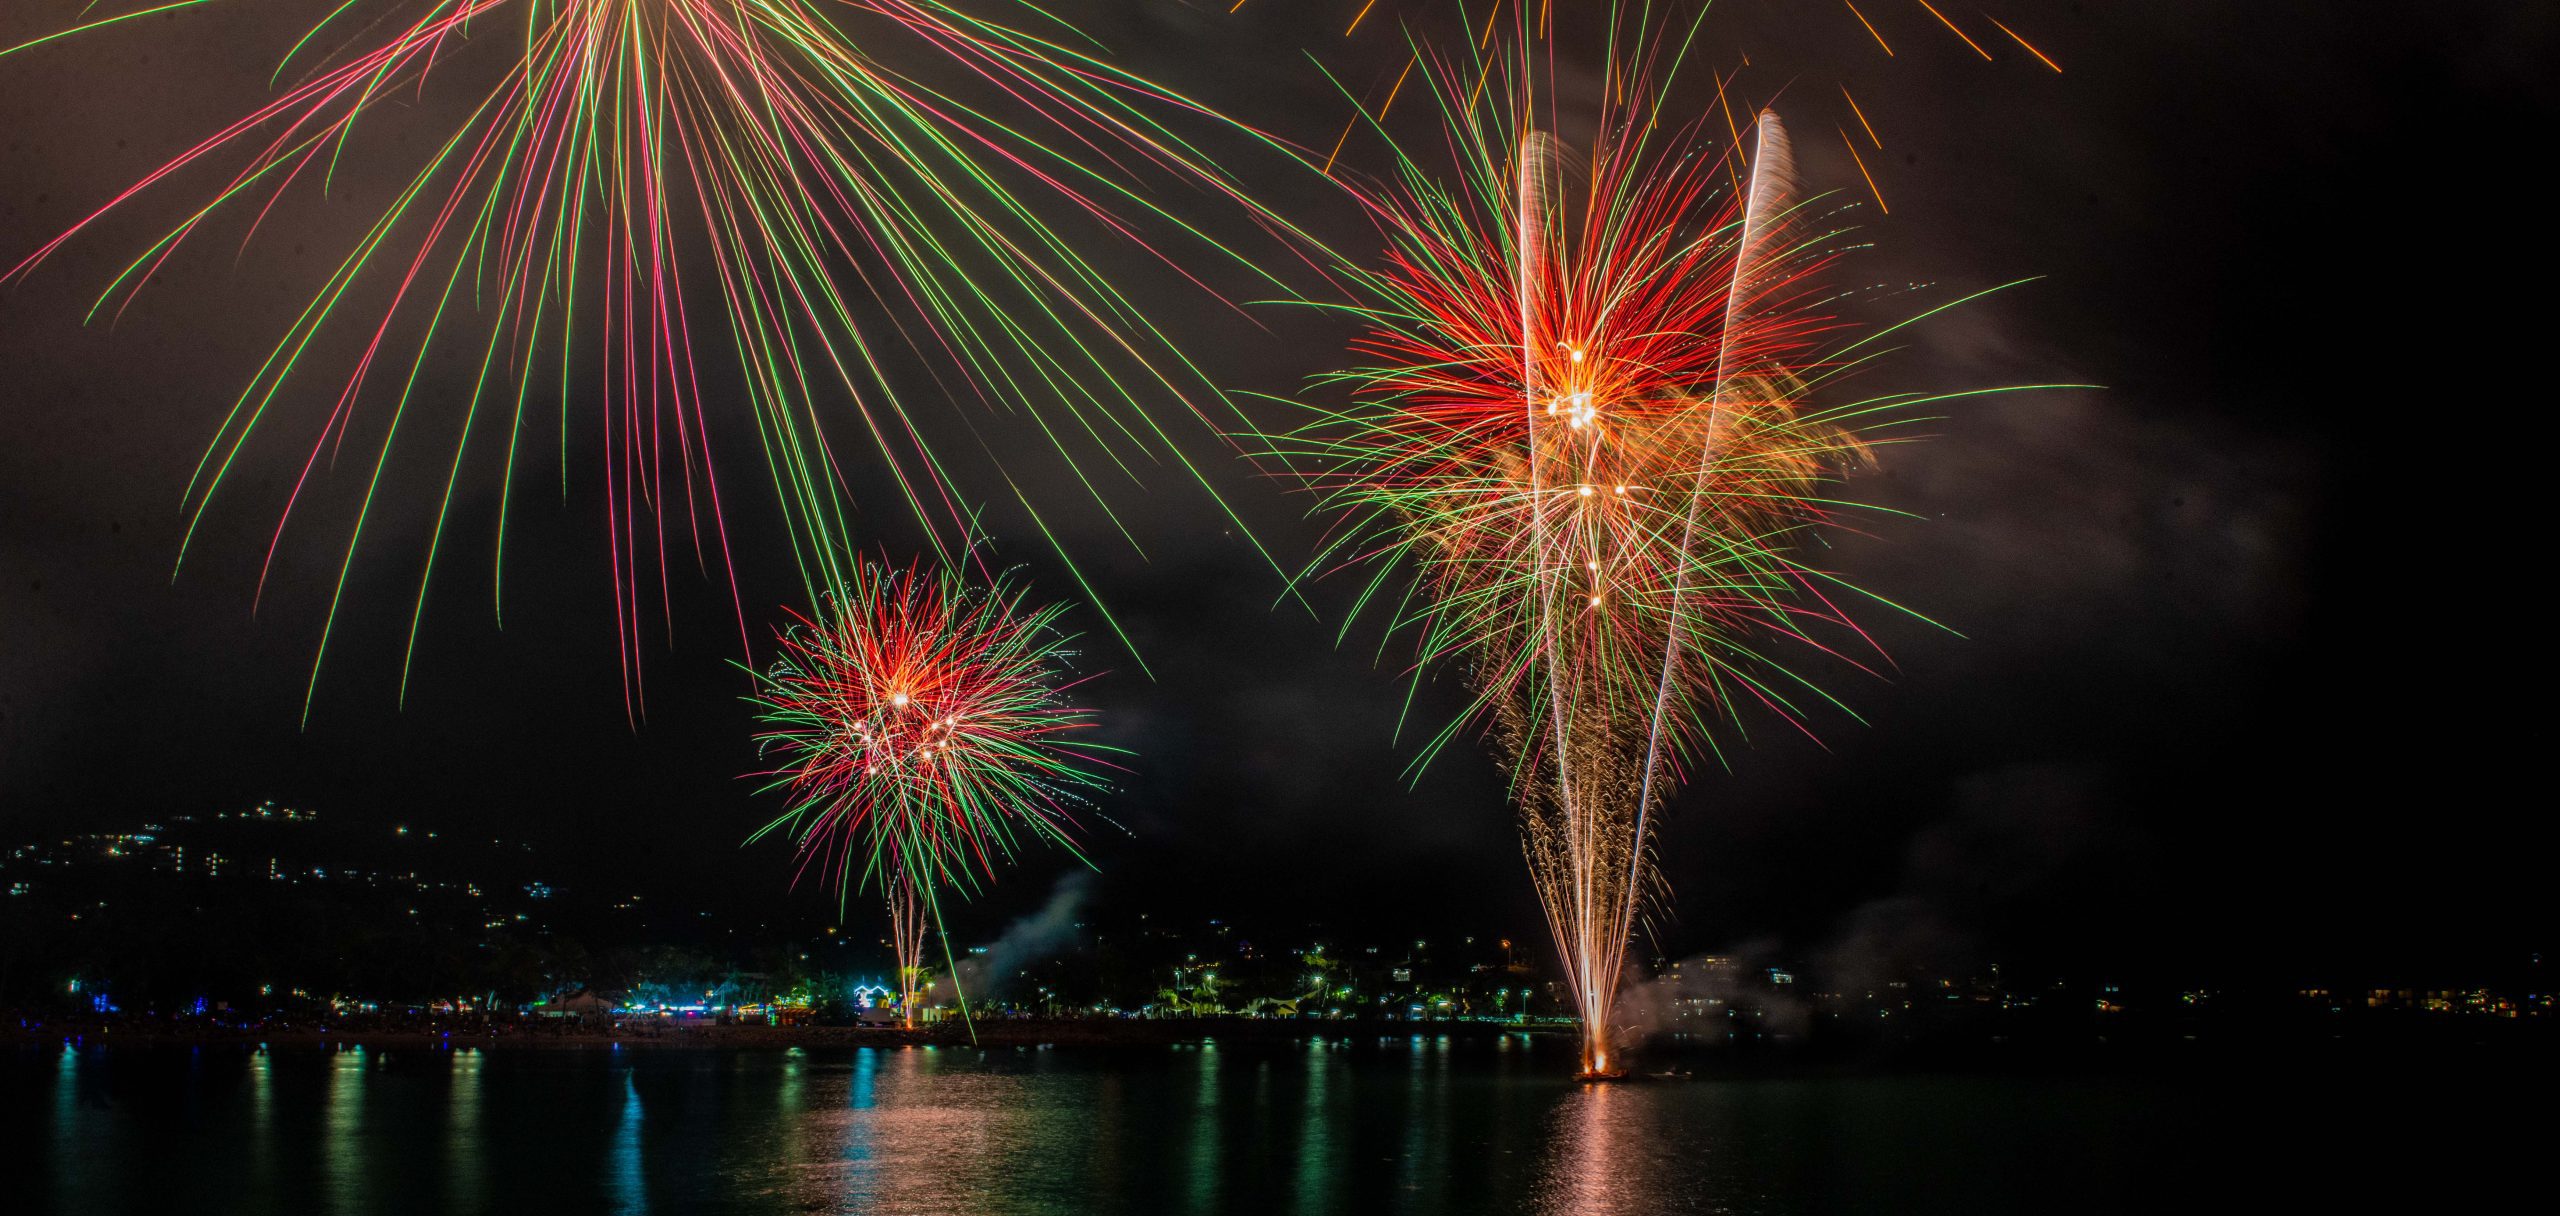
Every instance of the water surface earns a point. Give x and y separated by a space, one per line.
1399 1125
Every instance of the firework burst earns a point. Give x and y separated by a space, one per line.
619 188
921 730
1599 421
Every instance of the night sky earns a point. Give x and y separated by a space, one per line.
2247 636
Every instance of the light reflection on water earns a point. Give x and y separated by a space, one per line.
908 1136
1202 1168
464 1170
1586 1171
262 1120
1315 1132
341 1147
629 1178
1414 1125
67 1116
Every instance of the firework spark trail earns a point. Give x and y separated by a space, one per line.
907 923
1801 54
1772 168
947 165
1595 423
923 733
1537 157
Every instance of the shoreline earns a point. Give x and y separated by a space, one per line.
994 1032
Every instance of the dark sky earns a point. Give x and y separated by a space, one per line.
2244 643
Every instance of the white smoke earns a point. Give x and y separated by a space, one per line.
1028 939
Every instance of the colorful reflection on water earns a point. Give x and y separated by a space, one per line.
1411 1125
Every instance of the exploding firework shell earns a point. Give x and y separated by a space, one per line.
622 188
922 731
1587 429
1586 426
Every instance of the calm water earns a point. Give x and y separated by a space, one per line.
1420 1126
